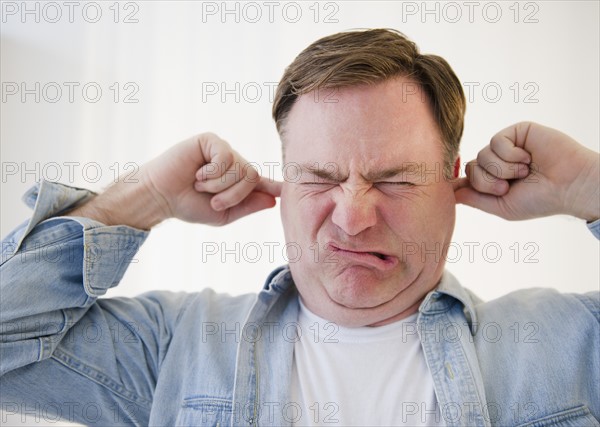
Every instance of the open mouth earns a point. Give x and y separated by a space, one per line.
378 255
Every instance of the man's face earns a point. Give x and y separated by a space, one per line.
366 211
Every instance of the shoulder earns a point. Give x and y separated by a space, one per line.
542 303
535 324
173 308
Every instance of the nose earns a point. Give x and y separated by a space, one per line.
354 211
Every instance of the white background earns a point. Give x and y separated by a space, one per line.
542 56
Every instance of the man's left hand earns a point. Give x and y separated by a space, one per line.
528 171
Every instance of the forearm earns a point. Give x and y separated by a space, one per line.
129 203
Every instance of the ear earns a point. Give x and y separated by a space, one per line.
456 172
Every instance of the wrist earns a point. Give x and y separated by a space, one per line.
585 204
125 203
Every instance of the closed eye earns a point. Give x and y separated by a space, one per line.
317 183
397 188
396 183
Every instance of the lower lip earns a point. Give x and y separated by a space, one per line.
365 258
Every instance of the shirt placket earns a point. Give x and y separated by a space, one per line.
450 354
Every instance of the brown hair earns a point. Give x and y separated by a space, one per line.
370 56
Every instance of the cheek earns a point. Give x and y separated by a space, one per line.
303 212
423 218
443 204
287 210
438 216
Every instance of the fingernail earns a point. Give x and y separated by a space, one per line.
523 170
500 187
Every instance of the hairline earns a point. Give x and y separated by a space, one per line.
282 122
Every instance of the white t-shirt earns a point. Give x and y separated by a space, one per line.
360 376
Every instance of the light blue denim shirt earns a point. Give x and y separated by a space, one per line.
529 358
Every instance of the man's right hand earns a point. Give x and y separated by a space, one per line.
201 179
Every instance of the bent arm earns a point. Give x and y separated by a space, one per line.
61 348
59 342
53 269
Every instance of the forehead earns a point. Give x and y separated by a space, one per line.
375 126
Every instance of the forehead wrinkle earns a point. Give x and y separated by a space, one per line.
407 167
369 176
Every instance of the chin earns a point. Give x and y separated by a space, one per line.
360 295
365 288
359 317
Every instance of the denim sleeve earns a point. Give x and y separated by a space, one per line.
62 348
594 227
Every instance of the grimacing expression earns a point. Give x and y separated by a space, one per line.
370 210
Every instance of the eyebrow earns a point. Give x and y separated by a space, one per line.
411 168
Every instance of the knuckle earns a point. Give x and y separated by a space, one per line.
476 182
495 144
208 135
481 157
524 125
209 186
228 156
251 173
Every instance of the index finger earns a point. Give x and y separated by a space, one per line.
269 186
460 183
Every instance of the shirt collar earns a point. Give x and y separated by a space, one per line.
449 292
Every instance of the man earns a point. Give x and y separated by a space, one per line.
364 327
